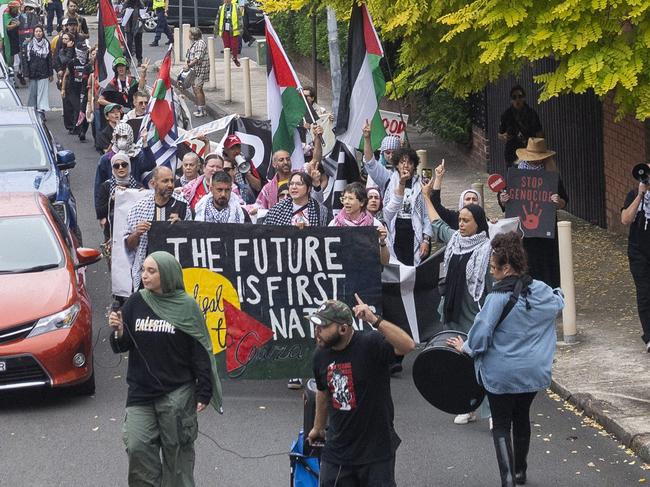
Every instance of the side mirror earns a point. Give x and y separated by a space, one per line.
65 159
87 256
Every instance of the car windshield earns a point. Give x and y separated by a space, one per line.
22 149
7 98
28 244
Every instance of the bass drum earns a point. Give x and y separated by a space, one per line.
445 377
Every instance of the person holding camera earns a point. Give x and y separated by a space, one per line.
352 372
247 179
518 123
636 214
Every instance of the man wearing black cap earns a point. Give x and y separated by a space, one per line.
352 371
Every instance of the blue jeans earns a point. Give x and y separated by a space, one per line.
162 26
54 7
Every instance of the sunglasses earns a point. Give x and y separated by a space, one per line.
517 97
228 168
120 165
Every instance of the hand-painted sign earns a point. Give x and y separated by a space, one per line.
256 283
394 123
530 199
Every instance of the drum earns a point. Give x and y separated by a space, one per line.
445 377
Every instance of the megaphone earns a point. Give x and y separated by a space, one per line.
641 172
242 164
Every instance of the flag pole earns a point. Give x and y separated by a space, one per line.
399 104
313 120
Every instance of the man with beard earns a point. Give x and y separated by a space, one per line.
162 205
352 371
282 164
220 206
247 178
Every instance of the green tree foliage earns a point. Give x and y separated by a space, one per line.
294 30
602 45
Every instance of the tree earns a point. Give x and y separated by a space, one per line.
602 45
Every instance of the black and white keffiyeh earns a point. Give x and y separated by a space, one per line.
38 47
477 265
130 183
282 214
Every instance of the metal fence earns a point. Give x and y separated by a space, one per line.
573 127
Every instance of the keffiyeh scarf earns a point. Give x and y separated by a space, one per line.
477 265
282 213
38 47
365 219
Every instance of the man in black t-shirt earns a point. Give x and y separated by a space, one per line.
636 213
352 371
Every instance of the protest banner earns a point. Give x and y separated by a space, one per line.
205 129
121 282
256 283
393 123
530 200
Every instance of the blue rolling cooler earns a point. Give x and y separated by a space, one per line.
304 469
304 458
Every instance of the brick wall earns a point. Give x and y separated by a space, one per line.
625 145
479 153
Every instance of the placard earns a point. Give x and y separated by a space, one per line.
530 199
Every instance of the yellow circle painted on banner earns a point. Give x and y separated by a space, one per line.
210 289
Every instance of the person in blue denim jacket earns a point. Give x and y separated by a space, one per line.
513 355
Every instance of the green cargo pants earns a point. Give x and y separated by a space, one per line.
169 425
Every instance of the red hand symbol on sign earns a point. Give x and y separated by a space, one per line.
531 222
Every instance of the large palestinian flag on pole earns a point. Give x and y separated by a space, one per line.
110 43
285 103
160 119
363 84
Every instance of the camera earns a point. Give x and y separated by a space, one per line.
243 166
641 172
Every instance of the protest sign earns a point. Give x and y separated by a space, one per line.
205 129
394 123
256 283
530 199
121 281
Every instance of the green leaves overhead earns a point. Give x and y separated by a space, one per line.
603 45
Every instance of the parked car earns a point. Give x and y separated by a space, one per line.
46 319
207 10
7 72
31 159
8 95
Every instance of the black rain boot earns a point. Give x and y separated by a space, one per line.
503 447
521 445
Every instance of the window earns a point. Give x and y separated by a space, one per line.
22 149
28 242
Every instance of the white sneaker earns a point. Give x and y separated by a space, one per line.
199 113
465 418
294 384
490 421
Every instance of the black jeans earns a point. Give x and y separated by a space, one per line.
640 269
379 474
134 43
511 411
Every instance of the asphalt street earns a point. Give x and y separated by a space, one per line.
50 438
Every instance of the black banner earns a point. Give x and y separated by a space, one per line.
411 298
530 200
256 283
256 142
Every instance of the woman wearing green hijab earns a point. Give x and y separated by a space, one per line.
172 374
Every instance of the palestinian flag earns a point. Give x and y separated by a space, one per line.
363 84
5 18
160 119
285 103
110 43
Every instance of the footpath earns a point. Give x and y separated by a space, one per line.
605 376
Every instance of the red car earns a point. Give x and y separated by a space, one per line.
46 317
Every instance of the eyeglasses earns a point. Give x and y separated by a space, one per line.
347 198
520 96
120 165
228 169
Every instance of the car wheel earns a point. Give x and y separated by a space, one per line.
150 23
86 388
